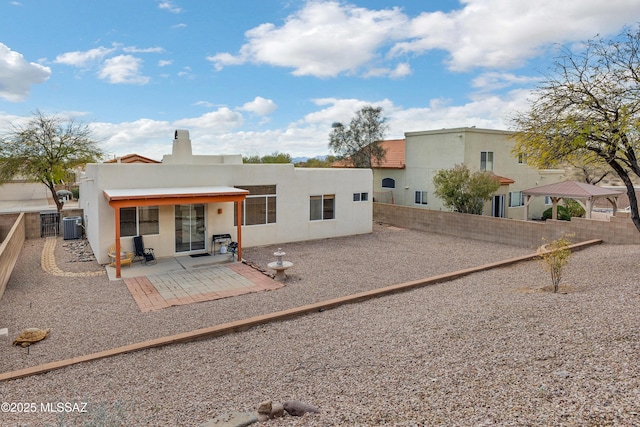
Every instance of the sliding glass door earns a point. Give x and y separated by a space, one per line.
190 230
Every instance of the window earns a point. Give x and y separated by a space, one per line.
516 199
486 160
522 158
388 183
322 207
139 221
421 198
360 197
547 200
259 207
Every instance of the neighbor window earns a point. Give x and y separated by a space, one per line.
486 160
360 197
139 221
547 200
421 198
388 183
516 199
322 207
522 158
259 207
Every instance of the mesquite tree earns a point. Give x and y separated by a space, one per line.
589 106
45 150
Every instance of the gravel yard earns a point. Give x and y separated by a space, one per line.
492 348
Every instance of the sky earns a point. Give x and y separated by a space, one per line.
254 77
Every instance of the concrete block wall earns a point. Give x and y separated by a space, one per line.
32 221
6 223
530 234
10 250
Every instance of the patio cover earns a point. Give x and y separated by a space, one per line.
133 197
579 191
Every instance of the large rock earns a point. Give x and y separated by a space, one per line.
298 409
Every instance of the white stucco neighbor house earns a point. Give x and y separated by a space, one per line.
180 203
405 177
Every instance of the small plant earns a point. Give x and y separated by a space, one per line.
554 256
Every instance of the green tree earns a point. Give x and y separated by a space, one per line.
359 142
589 106
318 162
274 157
464 191
46 149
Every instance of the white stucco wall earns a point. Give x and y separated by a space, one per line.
430 151
294 187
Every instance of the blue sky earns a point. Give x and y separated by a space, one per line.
258 76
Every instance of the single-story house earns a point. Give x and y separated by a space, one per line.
179 204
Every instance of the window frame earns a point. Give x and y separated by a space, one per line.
486 161
420 197
268 207
513 194
323 211
361 197
140 225
388 181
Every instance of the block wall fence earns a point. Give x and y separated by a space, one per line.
12 240
617 230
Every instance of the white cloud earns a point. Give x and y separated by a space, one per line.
167 5
164 62
505 33
134 49
17 75
401 70
323 39
219 131
260 106
494 80
123 69
222 119
83 58
328 38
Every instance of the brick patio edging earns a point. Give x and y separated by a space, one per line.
244 324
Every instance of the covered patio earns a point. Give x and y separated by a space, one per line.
128 198
583 193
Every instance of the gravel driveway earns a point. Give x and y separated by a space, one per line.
493 348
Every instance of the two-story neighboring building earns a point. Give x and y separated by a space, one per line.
179 204
406 175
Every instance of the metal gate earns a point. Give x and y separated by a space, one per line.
49 224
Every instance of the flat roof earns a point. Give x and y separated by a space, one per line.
171 192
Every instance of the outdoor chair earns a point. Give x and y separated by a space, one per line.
233 249
145 255
126 258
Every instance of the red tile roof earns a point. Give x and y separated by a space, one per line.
132 158
395 152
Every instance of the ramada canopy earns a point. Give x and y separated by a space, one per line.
574 190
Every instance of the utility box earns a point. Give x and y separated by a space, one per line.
72 227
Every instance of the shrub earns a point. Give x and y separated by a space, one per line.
554 256
574 208
563 214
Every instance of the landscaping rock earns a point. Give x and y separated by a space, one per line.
298 409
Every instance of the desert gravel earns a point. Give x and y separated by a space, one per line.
493 348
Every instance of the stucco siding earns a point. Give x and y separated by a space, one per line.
294 187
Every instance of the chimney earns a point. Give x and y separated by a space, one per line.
182 147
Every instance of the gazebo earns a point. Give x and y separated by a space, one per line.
583 193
